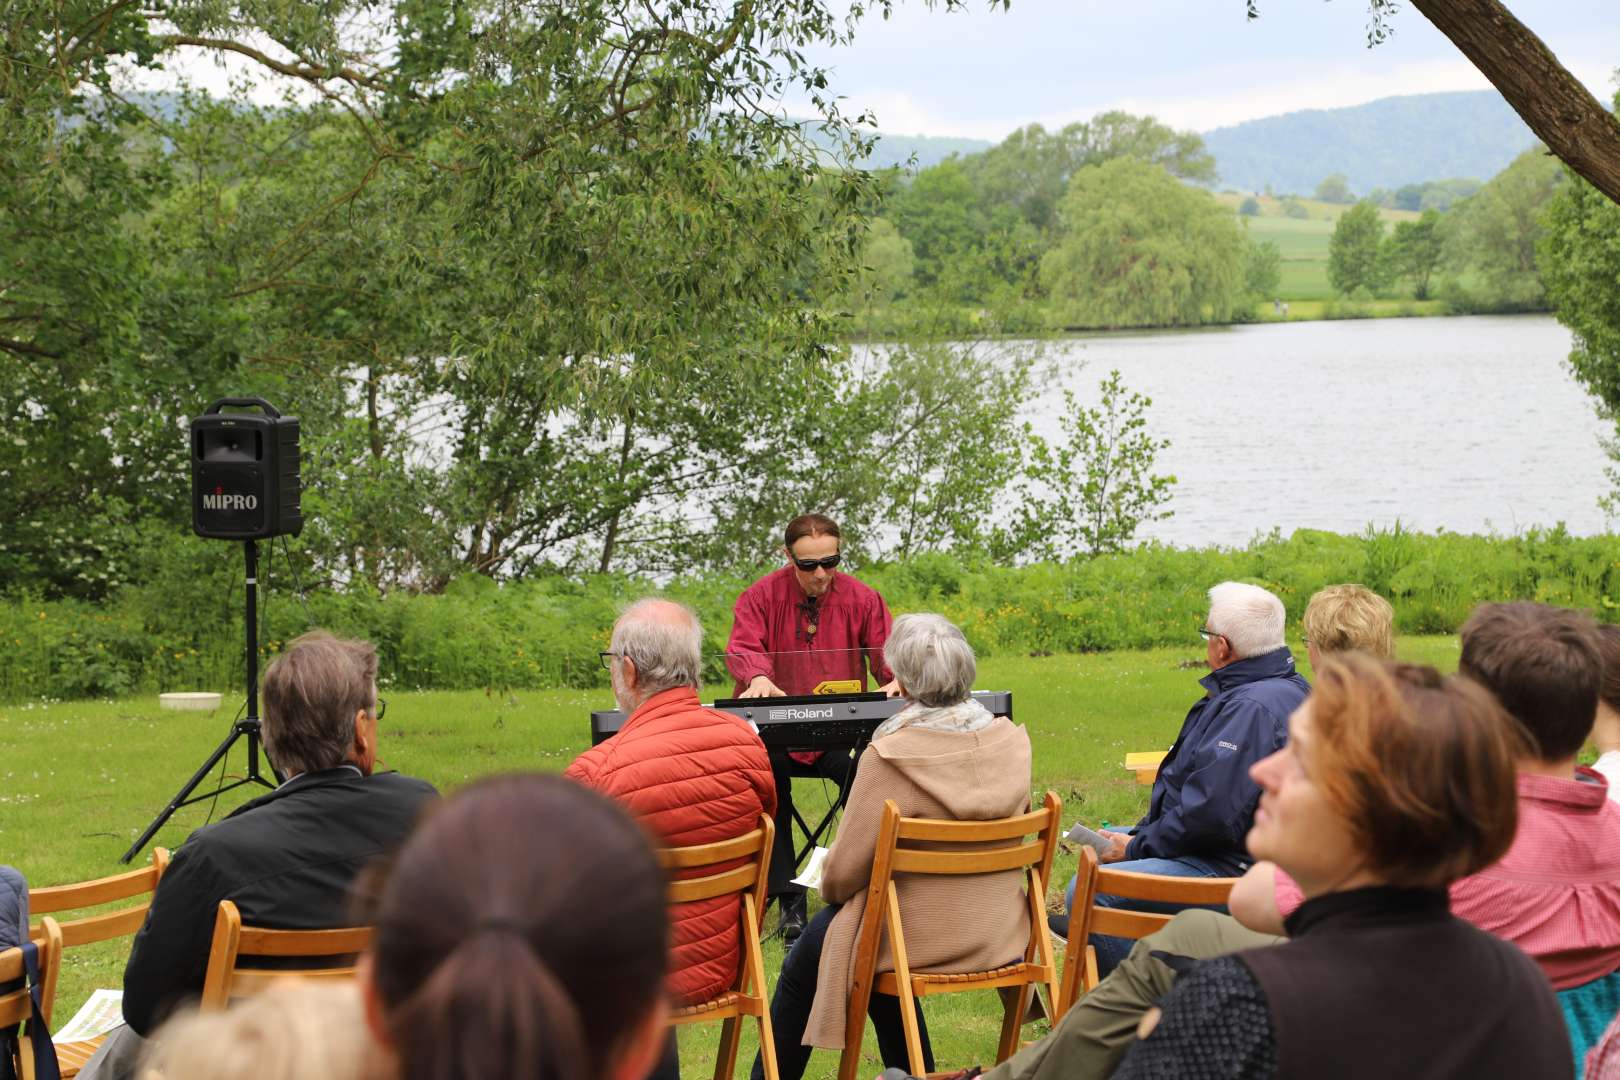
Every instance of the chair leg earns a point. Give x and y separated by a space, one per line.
1014 1001
767 1046
849 1062
725 1058
908 1022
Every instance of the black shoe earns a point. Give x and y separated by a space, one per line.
794 910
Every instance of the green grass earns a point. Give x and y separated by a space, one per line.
1303 245
79 781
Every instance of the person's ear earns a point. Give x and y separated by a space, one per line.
365 977
629 674
644 1044
362 741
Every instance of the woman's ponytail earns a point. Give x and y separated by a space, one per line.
523 932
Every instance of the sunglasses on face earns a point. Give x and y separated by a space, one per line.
809 565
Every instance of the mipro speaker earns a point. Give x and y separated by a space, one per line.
244 472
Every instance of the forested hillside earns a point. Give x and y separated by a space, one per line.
1384 143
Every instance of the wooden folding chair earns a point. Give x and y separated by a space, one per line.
102 926
922 846
1086 918
731 867
16 1006
228 978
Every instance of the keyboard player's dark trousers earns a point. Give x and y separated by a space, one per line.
837 768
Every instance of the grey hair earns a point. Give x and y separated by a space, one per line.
1250 618
667 653
932 660
311 694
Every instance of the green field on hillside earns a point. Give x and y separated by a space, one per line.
79 780
1303 244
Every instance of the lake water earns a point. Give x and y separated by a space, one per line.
1467 424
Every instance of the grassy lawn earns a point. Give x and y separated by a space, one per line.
80 780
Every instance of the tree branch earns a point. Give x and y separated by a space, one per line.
1554 103
308 72
26 348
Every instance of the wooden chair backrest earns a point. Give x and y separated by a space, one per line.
1183 891
1012 852
83 894
726 867
226 977
15 1006
1086 918
737 867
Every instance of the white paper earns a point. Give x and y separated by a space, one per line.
1094 840
103 1012
811 878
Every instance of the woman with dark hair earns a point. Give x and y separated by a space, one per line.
521 932
1395 782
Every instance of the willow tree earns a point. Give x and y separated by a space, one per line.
1134 246
579 232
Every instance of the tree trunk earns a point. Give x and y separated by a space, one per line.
373 423
1554 103
611 540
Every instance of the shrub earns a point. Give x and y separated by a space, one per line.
545 631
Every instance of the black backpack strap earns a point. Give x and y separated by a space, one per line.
45 1063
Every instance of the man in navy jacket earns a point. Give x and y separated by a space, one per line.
1203 800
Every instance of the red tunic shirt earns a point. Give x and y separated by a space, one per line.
770 634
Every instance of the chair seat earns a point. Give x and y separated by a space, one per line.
926 982
728 1000
73 1056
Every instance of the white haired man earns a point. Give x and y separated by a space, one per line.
1203 801
690 775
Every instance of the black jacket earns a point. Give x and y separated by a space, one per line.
287 859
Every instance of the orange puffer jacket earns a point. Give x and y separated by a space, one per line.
692 776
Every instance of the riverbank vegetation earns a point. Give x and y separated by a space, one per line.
545 631
1048 232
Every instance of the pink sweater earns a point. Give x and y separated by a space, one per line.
1556 893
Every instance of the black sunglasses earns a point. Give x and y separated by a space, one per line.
809 565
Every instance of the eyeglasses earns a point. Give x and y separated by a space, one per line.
1206 633
382 707
809 565
607 659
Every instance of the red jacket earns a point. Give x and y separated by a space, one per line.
769 634
692 776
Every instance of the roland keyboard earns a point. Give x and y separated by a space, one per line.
822 722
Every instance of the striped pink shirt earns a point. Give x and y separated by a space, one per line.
1556 893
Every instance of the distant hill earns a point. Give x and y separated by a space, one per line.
1384 143
894 150
930 149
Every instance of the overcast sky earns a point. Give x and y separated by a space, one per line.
1196 64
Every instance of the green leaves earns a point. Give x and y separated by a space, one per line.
1136 247
1354 256
1092 490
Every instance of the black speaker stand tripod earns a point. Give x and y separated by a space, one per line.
247 726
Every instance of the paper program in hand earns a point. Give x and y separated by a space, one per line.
811 877
1092 839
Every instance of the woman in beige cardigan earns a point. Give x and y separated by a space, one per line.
943 756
